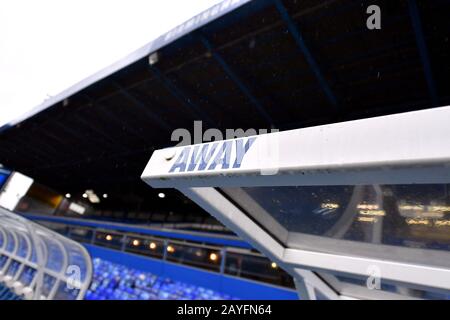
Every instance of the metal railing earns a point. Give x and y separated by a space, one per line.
38 263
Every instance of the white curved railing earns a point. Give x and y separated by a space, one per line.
37 263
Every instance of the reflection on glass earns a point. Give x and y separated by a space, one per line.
414 215
27 275
55 254
3 260
79 234
66 292
108 239
10 241
22 250
75 258
257 268
13 268
207 258
403 290
47 285
146 246
201 256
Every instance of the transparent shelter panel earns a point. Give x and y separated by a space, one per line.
3 261
152 247
66 291
56 259
48 283
13 268
77 263
55 226
197 256
27 275
409 222
11 242
78 234
23 245
109 239
42 259
256 268
33 257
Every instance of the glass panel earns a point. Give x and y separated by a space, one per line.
433 295
10 245
409 216
146 246
81 234
33 257
58 227
66 292
27 276
48 284
3 260
257 268
13 268
109 239
55 255
23 246
77 264
195 256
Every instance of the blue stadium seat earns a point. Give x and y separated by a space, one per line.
114 281
7 294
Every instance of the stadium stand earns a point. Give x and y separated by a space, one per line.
230 255
118 282
37 263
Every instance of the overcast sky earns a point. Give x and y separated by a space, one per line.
48 45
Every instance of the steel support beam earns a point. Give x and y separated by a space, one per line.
107 139
144 108
181 96
237 80
423 50
297 35
111 116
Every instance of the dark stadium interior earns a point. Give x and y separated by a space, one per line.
265 65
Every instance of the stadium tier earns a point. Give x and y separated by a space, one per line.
184 256
118 282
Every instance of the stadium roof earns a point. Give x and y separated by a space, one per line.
241 64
